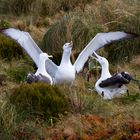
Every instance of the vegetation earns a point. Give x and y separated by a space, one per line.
66 29
19 72
39 111
9 49
43 7
40 99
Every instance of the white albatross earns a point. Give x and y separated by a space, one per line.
65 72
109 86
41 74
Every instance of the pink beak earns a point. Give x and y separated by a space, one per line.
71 44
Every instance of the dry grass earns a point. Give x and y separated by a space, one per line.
8 116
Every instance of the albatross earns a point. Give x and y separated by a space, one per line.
109 86
66 71
41 74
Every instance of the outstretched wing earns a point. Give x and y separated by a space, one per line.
28 44
98 42
25 41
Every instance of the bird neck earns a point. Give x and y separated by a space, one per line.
65 58
105 71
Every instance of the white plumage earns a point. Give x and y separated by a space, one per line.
66 71
112 90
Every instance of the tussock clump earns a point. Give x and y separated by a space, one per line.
62 32
9 49
39 99
55 37
65 30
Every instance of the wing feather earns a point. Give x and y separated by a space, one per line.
25 41
28 44
51 67
98 42
117 79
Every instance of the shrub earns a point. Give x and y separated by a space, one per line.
9 49
39 99
20 71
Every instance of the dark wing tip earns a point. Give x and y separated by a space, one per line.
3 29
131 35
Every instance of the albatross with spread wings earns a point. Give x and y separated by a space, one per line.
65 72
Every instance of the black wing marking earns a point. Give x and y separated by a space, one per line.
32 78
117 79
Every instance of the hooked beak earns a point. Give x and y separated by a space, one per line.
71 44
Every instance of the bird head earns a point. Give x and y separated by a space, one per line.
68 46
100 59
45 56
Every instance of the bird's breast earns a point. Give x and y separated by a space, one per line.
65 74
